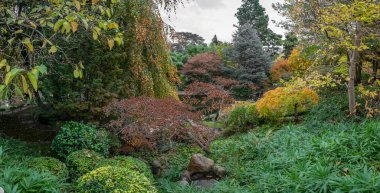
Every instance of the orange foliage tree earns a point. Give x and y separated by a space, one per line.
281 69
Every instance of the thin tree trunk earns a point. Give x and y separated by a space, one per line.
375 69
352 71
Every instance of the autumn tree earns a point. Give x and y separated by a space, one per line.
336 25
208 98
156 122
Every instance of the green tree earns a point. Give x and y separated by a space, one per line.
289 44
249 54
253 13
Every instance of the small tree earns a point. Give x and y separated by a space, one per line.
249 53
208 98
202 67
157 121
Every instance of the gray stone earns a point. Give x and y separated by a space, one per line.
183 183
205 183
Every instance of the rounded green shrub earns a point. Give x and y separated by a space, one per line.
129 163
241 119
82 161
75 136
49 164
115 179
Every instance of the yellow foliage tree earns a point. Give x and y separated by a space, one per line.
299 63
285 101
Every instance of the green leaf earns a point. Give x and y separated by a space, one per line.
18 90
42 69
28 44
3 63
58 24
53 50
11 75
76 73
24 84
33 80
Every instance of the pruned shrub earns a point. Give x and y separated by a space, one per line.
241 119
114 179
203 67
49 164
82 161
286 101
129 163
156 121
75 136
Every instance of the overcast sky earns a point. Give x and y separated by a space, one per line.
209 17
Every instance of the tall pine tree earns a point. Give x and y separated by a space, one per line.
249 54
253 13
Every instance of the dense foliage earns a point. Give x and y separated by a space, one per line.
154 123
75 136
49 164
114 179
285 101
82 161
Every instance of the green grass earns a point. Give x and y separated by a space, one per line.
211 124
343 157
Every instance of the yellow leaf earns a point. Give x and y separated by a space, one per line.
111 43
3 63
94 1
33 25
74 26
28 44
95 35
53 49
113 25
77 4
24 84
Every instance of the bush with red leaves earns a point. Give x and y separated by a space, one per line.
202 67
208 98
156 122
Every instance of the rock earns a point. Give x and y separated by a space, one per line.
219 171
205 183
183 183
157 167
1 190
200 164
186 176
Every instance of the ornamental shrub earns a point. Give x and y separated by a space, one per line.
82 161
129 163
242 118
49 164
114 179
286 101
75 136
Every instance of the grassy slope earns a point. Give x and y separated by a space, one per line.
328 158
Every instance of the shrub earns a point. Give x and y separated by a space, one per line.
157 121
114 179
285 101
75 136
129 163
21 179
49 164
241 119
82 161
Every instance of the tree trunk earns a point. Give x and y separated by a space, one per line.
352 71
358 76
375 68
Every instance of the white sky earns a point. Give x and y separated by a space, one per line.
210 17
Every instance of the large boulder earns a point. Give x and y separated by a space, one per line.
200 164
